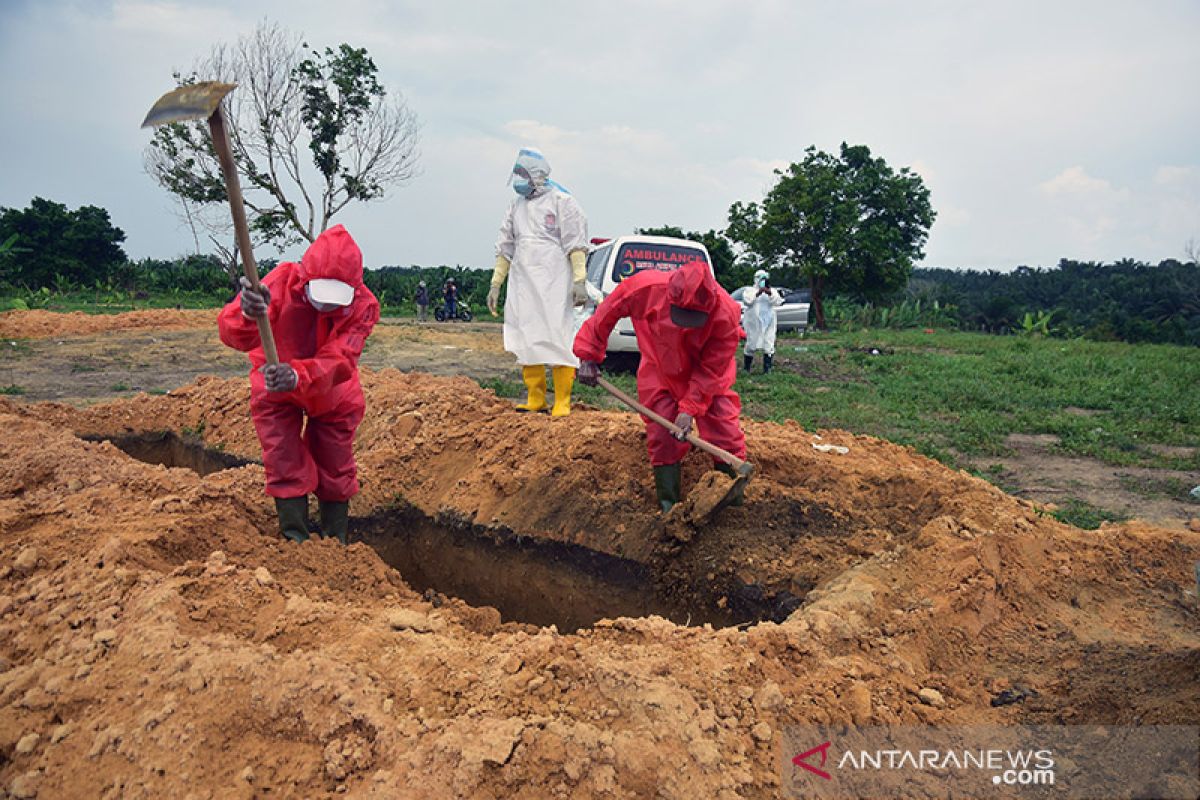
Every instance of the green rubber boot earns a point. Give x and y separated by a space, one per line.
667 480
738 497
335 519
293 517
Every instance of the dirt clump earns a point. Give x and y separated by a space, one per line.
38 324
157 638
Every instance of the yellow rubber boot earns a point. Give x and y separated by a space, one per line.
535 383
564 379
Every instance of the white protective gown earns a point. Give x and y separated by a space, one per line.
759 320
537 235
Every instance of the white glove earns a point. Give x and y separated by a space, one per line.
493 300
579 292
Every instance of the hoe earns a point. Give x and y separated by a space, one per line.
708 497
203 101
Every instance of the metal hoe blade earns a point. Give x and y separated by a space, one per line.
195 101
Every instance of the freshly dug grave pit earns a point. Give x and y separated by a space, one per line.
169 449
539 582
542 583
157 638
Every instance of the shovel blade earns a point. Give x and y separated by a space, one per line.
194 101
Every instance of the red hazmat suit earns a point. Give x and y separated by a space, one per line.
683 369
323 349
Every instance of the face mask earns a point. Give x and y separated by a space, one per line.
522 187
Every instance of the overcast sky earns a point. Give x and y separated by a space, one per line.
1044 130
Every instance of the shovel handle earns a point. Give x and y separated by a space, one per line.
742 467
220 137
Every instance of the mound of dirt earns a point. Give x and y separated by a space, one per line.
39 324
158 639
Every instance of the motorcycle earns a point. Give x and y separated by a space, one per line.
463 312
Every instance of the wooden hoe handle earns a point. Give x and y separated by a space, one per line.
220 137
742 467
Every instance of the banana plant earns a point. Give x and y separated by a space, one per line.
1039 325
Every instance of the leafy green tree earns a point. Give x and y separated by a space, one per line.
845 223
59 247
720 250
291 99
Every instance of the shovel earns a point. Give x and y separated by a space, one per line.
716 490
201 101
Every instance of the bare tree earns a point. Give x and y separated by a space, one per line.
312 131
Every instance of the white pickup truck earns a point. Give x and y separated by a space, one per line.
610 261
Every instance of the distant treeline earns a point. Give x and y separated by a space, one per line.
48 249
1127 300
397 286
204 278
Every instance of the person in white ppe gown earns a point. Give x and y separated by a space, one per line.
542 251
759 320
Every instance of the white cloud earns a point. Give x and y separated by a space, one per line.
1149 217
1075 181
1088 208
186 22
536 134
1178 176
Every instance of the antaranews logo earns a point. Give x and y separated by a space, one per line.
1019 767
991 761
801 760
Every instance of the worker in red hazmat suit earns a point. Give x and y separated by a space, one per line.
688 332
307 408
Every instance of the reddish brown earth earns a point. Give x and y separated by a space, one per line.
158 640
44 324
137 613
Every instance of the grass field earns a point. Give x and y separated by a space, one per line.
961 393
953 394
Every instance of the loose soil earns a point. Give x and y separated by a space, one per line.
157 631
157 637
47 324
